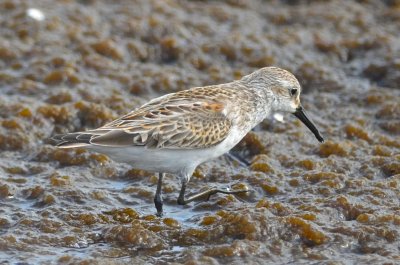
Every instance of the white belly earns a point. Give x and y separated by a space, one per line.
173 161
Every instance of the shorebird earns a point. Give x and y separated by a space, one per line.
176 132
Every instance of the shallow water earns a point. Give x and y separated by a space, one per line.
89 61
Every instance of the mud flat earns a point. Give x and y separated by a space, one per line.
73 65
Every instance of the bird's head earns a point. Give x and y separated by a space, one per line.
284 90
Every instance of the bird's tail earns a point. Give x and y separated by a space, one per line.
71 140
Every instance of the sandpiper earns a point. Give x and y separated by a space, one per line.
177 132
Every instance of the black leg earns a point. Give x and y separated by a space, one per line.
158 202
240 160
206 193
181 198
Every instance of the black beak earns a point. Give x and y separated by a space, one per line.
301 115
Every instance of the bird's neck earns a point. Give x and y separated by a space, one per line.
263 100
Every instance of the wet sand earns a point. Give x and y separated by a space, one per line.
87 62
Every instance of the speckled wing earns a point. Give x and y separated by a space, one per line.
173 121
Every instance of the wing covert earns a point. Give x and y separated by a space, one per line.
171 124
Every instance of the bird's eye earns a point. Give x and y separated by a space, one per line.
293 91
